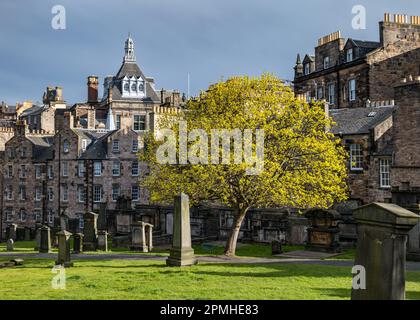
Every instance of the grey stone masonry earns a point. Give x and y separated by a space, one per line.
181 253
381 249
103 240
10 244
78 243
90 231
64 249
45 243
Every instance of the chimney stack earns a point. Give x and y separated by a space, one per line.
92 89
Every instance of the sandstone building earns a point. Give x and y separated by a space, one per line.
349 73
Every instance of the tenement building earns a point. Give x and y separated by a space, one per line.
72 159
349 73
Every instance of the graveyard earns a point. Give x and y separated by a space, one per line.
186 271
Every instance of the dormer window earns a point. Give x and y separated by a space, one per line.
84 145
126 87
141 86
349 55
133 87
66 146
326 62
307 68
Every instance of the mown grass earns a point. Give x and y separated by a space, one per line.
131 279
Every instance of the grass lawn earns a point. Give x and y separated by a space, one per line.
243 250
128 279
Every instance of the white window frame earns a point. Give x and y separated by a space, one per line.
9 192
9 214
118 120
326 62
22 193
115 145
135 146
10 171
38 171
385 173
97 168
331 93
356 157
84 145
66 146
22 173
81 169
115 195
135 168
307 68
349 55
50 193
116 168
319 90
97 191
64 193
81 193
352 90
132 193
138 122
50 172
38 193
65 169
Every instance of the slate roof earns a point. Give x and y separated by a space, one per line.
97 143
34 110
367 44
130 69
359 120
43 147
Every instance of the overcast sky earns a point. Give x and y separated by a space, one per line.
209 39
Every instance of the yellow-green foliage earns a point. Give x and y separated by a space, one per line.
304 164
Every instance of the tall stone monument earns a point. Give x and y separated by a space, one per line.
64 249
78 243
181 253
141 236
102 240
382 231
45 243
90 231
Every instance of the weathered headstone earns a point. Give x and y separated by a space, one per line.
276 247
78 243
90 231
382 231
37 236
27 234
141 236
64 249
103 240
11 231
45 243
10 245
181 253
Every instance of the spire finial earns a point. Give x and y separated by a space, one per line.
129 50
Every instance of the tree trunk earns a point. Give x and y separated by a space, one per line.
230 248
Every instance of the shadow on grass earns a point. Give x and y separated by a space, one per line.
335 292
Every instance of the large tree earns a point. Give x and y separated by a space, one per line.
303 163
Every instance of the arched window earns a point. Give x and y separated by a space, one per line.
66 146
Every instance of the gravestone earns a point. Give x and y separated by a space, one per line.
11 231
78 243
102 223
90 231
28 234
103 240
141 236
10 245
37 236
64 249
382 231
45 243
276 247
181 253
